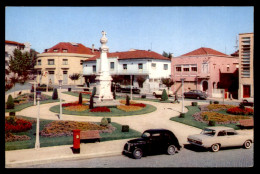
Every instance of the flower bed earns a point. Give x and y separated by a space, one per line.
65 128
77 108
100 109
219 118
9 137
240 111
139 105
129 108
215 107
124 102
15 125
76 103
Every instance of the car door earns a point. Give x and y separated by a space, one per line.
155 142
234 139
222 138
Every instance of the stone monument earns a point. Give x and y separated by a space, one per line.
103 79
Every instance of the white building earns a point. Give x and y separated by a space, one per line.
10 46
151 65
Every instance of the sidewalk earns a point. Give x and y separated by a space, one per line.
20 158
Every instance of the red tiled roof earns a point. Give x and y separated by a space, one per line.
137 54
13 42
236 53
204 51
79 48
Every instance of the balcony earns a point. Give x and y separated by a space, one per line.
65 66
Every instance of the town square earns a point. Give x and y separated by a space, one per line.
127 87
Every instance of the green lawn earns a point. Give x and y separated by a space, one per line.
114 112
26 105
189 120
66 140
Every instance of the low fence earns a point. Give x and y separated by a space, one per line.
16 93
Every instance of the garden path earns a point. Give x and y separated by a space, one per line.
157 119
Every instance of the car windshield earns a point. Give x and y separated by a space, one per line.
208 132
146 135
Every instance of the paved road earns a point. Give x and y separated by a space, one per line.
189 156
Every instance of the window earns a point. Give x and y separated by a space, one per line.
124 66
55 50
39 62
64 50
81 62
140 66
112 65
153 65
186 69
64 61
50 61
194 69
94 68
178 68
165 66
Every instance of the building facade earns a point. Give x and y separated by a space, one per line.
61 61
246 64
10 46
201 70
134 63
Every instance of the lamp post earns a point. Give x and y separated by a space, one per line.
37 142
182 81
34 91
60 83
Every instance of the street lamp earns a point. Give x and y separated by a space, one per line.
34 91
37 142
182 81
60 83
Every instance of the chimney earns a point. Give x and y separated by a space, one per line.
93 48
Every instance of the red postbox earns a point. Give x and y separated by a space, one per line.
76 141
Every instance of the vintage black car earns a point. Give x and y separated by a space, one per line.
127 89
152 141
197 94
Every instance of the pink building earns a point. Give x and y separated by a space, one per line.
201 69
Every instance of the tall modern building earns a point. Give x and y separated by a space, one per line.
246 65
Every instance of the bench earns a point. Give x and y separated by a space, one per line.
90 134
249 123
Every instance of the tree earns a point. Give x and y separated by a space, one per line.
168 55
10 102
18 70
140 80
168 82
74 77
55 94
164 96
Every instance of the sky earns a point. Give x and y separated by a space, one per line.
176 30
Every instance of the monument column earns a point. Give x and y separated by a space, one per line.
103 78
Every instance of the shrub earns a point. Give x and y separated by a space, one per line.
143 96
91 103
55 94
164 96
125 128
242 106
109 120
194 103
11 113
212 123
210 102
10 102
80 98
104 122
216 102
77 108
127 102
182 115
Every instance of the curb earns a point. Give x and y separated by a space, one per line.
61 158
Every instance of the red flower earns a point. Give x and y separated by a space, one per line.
100 109
139 104
239 111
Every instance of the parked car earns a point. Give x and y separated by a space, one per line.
160 91
217 137
152 141
127 89
195 94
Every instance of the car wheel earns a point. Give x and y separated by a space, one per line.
171 150
215 148
137 153
247 144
